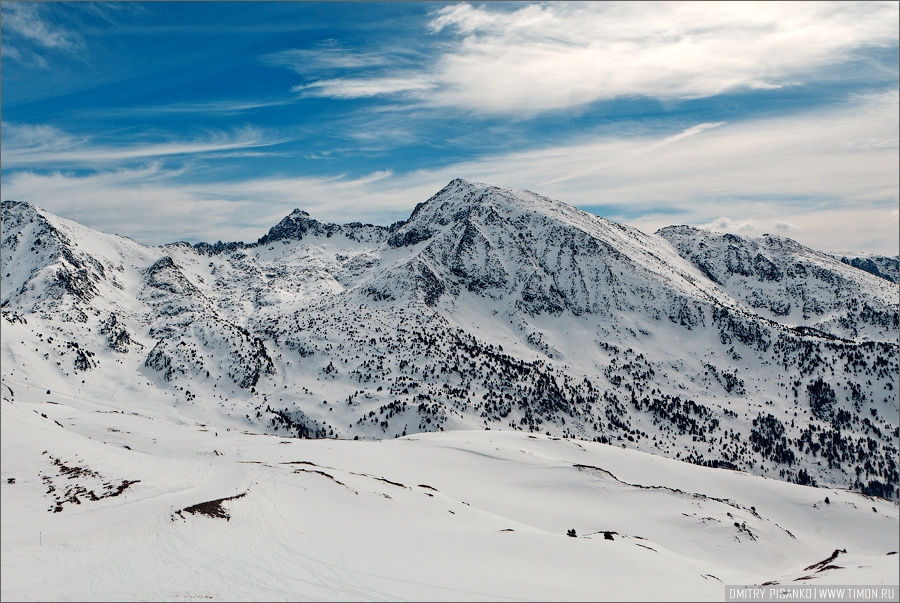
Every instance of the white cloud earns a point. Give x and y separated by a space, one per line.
385 72
34 138
724 224
561 55
802 160
225 107
797 176
145 204
152 206
785 227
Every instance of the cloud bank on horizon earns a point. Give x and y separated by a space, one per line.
211 121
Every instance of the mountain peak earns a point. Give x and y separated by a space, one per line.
461 200
20 209
299 223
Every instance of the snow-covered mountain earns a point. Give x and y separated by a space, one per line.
783 281
488 308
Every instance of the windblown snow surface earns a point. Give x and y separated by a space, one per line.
427 411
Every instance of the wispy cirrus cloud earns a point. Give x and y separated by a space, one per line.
307 60
48 147
27 33
540 57
361 88
218 107
387 71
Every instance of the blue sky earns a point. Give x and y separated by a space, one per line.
168 121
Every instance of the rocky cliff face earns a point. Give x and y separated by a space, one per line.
488 308
881 266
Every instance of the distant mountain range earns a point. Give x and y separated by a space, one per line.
488 308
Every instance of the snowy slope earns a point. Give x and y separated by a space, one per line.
101 503
488 308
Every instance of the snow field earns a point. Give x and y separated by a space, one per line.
468 515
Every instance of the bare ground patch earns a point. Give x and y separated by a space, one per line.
210 508
63 492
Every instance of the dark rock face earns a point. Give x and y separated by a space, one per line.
165 276
75 275
299 224
737 259
721 256
79 283
410 237
475 263
766 269
294 226
881 266
454 202
430 284
118 338
15 215
536 299
220 247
